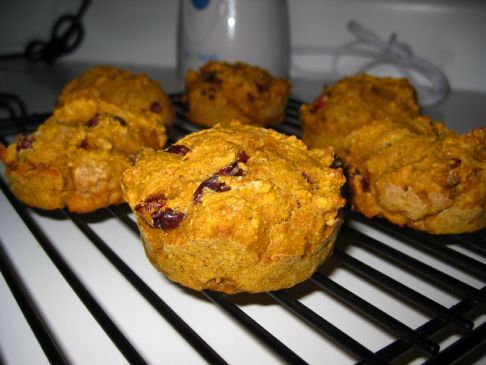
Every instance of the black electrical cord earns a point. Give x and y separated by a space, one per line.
66 36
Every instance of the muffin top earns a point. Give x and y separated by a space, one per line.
253 192
242 167
135 94
353 102
75 158
220 92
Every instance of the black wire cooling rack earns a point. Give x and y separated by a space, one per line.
409 344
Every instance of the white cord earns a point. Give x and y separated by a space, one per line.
390 52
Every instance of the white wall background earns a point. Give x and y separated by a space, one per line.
446 32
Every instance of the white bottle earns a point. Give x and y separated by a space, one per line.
252 31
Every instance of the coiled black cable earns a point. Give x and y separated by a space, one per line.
66 35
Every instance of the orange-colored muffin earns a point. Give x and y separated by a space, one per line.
400 165
351 103
236 208
220 92
107 85
433 182
76 157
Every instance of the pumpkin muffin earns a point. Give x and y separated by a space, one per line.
135 94
351 103
76 157
401 165
236 208
220 92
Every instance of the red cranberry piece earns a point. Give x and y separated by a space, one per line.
24 142
242 157
178 149
210 183
233 169
216 185
230 170
93 121
84 144
319 103
120 120
167 219
155 107
150 204
455 163
212 77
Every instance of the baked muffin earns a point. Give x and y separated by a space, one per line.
220 92
433 182
400 165
353 102
135 94
236 208
76 157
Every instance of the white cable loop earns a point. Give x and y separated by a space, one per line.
383 52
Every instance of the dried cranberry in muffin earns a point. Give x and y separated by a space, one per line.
233 169
167 219
24 142
178 149
210 183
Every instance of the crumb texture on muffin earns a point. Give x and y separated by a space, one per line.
220 91
401 165
236 208
76 157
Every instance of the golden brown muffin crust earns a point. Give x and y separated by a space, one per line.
220 92
135 94
76 157
241 208
353 102
401 165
